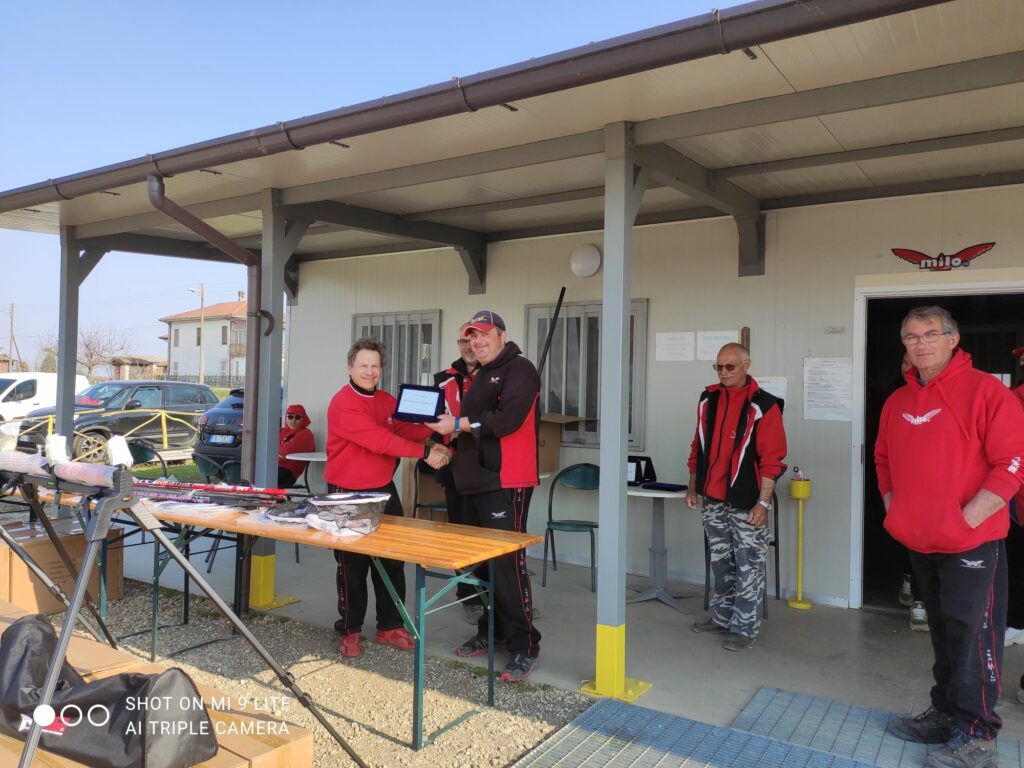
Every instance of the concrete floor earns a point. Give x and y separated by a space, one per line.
855 656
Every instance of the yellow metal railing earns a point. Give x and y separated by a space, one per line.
38 423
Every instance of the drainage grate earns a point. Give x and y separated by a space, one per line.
841 729
614 734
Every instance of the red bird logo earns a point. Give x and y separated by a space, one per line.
942 262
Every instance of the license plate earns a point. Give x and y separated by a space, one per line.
220 439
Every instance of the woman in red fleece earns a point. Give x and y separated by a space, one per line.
293 437
363 449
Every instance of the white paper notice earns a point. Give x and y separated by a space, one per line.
709 342
677 345
828 388
773 385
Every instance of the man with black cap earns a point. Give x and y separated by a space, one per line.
495 469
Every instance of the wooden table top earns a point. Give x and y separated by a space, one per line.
431 544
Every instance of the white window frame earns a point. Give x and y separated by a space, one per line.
401 367
588 434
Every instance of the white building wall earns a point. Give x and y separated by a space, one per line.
216 358
688 273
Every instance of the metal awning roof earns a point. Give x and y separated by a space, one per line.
923 100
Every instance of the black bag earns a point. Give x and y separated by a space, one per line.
129 720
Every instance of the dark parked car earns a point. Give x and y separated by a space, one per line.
220 433
129 408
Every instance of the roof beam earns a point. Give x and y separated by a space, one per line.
154 219
471 246
676 170
505 158
979 181
155 246
873 153
399 246
846 97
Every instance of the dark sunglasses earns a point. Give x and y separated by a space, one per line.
730 367
293 416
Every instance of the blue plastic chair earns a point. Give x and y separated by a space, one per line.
581 477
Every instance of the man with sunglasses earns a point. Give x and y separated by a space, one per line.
948 456
455 381
293 437
735 459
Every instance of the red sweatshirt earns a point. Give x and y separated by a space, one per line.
938 445
362 441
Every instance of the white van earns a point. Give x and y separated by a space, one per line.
25 391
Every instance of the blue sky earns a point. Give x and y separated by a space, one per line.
88 84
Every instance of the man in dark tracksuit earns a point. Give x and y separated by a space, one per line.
735 460
455 381
495 469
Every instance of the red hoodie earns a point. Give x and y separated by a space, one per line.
362 441
297 440
938 445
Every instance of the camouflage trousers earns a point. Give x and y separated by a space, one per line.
738 551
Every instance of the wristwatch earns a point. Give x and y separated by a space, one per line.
766 504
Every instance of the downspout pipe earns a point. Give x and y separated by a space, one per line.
711 34
159 200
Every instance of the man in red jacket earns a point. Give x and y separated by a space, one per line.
363 449
496 471
949 452
735 459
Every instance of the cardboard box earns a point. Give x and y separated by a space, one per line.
549 453
28 593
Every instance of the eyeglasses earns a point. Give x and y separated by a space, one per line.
293 416
730 367
910 339
463 342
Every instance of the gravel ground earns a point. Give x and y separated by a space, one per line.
368 699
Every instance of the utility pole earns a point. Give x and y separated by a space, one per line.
202 336
12 345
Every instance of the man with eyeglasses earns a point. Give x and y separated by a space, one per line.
948 456
735 460
455 381
495 469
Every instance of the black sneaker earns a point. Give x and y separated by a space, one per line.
929 727
518 667
475 646
964 751
709 627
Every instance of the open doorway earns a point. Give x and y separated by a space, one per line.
991 326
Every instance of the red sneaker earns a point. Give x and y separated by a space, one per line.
351 645
400 638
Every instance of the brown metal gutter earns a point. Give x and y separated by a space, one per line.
155 190
711 34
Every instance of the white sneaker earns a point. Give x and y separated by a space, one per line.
918 617
906 597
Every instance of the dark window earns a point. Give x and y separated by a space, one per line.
199 336
223 334
148 397
23 391
184 396
176 332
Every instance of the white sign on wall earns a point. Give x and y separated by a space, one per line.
677 345
828 388
709 342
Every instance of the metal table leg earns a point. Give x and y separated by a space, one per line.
659 565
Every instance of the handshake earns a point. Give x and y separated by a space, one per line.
439 456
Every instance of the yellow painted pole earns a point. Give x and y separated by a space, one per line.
800 490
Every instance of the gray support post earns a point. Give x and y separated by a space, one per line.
74 268
625 182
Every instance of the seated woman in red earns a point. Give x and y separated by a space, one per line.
293 437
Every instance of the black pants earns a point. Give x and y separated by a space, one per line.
351 579
965 596
506 510
453 503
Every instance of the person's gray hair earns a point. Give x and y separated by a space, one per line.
744 352
371 343
930 313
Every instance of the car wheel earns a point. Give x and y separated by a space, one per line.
91 447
